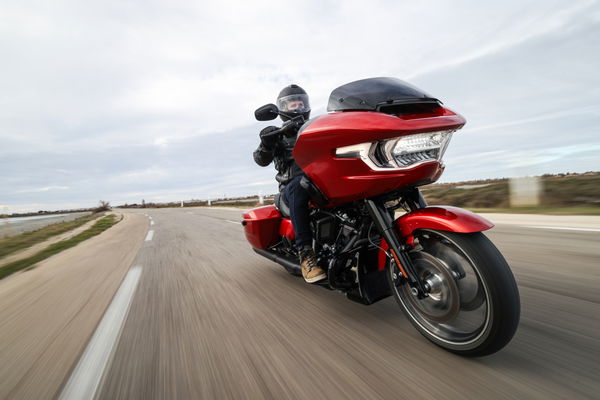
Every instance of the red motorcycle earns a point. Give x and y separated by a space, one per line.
363 162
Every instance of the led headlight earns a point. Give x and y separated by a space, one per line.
401 152
412 149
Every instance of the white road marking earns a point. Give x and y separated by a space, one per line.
149 236
563 228
151 222
232 222
85 379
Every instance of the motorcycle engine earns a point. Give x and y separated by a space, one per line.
325 228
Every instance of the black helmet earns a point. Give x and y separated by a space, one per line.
293 101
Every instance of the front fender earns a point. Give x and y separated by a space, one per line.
441 218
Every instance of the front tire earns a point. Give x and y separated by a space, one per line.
473 306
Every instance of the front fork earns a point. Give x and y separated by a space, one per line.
385 224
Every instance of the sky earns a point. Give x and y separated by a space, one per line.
129 100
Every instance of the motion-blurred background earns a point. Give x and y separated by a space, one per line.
149 105
131 101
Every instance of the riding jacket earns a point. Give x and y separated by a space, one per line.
281 155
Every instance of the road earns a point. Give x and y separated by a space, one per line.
210 319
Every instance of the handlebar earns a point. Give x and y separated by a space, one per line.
293 123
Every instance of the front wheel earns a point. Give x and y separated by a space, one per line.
473 305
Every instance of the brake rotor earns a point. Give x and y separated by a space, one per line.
443 303
470 291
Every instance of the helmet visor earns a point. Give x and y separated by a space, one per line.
295 103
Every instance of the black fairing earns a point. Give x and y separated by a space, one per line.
375 94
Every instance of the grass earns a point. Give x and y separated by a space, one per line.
100 226
494 195
560 195
15 243
577 191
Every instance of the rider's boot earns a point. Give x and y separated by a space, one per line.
310 270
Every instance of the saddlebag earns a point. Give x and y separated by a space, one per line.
261 226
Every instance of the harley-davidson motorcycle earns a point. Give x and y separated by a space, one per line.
373 231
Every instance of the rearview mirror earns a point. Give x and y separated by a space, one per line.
266 112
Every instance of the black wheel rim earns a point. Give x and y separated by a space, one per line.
457 310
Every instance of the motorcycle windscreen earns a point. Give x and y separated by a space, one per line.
377 94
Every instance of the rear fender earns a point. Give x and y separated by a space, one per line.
441 218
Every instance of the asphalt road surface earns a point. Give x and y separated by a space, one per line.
210 319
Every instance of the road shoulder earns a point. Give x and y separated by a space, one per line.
21 254
49 313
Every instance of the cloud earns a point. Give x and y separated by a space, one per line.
42 189
119 100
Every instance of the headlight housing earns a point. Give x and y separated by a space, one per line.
401 152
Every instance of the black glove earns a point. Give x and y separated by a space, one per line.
268 137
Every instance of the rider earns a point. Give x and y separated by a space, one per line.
292 101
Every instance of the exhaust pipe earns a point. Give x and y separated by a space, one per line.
291 267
